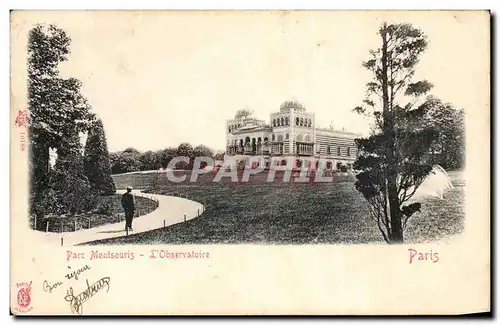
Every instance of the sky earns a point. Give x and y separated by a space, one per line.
157 79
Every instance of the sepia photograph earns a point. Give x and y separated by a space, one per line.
136 134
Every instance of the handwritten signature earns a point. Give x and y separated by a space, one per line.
76 302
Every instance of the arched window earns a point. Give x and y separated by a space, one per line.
298 163
247 139
283 162
297 121
280 138
307 138
241 142
278 122
282 121
274 122
301 122
229 130
273 137
299 137
266 139
309 123
286 120
328 165
259 139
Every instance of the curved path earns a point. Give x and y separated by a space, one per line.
171 210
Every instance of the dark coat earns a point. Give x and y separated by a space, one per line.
128 202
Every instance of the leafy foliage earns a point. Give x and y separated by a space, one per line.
124 162
58 113
449 125
185 150
72 190
149 160
97 161
166 155
203 151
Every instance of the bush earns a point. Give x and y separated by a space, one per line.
105 208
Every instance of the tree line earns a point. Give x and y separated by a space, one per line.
131 160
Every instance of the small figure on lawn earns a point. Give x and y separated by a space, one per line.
128 204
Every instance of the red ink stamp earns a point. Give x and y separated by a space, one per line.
23 296
22 118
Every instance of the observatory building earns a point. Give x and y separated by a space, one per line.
291 132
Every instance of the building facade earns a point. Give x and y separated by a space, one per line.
291 133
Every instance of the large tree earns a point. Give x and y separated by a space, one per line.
56 106
448 150
124 162
97 162
185 150
203 151
149 160
392 159
165 155
70 187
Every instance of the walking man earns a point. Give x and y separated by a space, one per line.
128 204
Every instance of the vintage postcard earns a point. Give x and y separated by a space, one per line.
250 162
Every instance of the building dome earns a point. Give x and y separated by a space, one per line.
242 114
291 104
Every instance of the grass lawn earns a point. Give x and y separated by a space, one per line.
290 213
108 210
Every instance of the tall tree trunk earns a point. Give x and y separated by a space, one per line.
396 233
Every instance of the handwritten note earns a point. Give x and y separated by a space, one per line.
76 301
